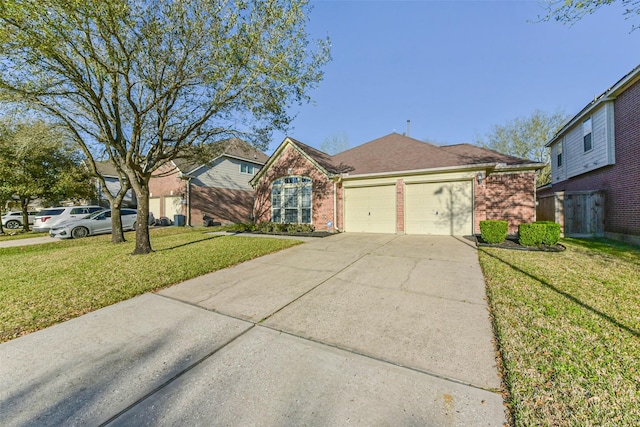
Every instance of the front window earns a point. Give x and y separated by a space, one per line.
559 155
247 168
291 199
586 132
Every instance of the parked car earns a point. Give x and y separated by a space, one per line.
96 223
13 220
48 218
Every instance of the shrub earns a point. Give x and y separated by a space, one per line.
552 233
276 227
531 234
493 231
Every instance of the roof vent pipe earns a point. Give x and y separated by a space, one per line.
409 128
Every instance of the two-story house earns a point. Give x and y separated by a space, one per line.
595 167
218 189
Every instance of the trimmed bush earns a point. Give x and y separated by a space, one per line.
494 232
277 227
531 234
552 234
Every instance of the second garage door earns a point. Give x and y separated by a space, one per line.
440 208
370 209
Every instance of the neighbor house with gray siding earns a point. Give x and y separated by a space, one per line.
595 167
218 189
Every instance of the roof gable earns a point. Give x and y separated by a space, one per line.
233 147
608 95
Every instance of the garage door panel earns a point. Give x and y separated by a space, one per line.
172 206
370 209
154 206
443 208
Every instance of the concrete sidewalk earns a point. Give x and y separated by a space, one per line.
27 242
353 328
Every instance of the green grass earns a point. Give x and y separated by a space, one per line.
568 328
45 284
19 234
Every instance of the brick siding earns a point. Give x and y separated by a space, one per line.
620 182
291 162
505 196
165 182
400 206
222 204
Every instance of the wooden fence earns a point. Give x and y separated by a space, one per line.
579 213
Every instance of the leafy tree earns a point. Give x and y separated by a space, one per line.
569 12
37 162
525 137
143 81
335 143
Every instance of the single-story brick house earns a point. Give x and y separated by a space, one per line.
395 184
595 171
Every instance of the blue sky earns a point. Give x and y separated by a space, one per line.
454 68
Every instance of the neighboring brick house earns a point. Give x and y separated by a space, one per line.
219 189
395 184
595 166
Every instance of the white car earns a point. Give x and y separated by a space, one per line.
13 220
48 218
96 223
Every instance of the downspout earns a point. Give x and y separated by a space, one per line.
335 202
189 201
335 205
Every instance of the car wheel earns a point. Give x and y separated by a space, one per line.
13 224
79 232
133 227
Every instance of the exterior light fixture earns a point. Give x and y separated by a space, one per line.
479 176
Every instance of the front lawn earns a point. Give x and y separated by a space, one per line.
568 328
49 283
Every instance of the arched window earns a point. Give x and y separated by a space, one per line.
291 199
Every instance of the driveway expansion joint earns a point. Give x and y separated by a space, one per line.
389 362
175 377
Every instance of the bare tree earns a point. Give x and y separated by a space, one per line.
335 143
143 81
525 137
569 12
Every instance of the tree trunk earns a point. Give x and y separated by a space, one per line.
24 205
143 243
117 234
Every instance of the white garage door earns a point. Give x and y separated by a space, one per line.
442 208
154 206
370 209
172 206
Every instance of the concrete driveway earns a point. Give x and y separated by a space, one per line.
357 329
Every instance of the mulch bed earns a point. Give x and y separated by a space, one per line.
512 243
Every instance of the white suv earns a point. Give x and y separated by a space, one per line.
13 220
47 218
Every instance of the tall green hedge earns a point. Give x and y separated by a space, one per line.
493 231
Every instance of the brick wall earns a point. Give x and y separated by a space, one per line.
222 204
620 182
505 196
291 162
400 206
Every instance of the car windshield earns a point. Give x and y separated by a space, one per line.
95 214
